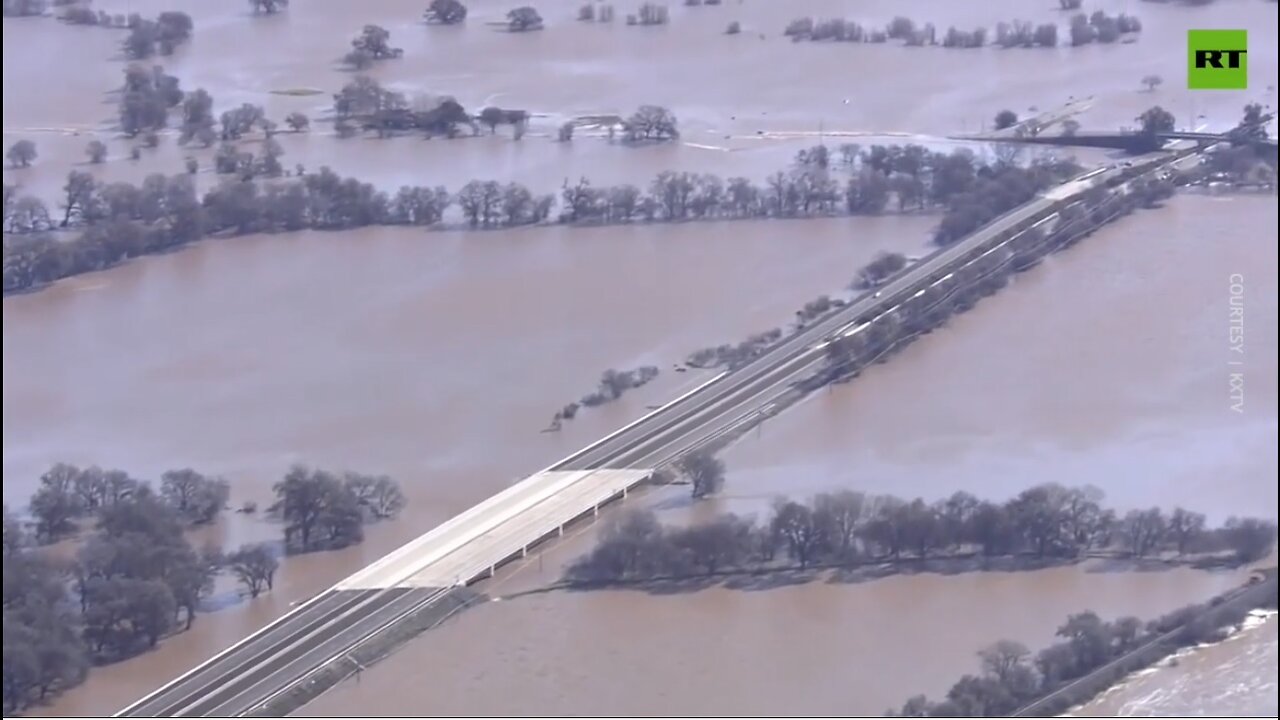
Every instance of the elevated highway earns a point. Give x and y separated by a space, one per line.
424 572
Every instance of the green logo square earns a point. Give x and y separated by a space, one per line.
1217 59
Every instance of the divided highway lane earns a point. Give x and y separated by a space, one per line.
237 682
610 452
250 689
741 395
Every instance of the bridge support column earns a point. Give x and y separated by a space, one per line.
524 551
560 531
624 493
492 569
595 511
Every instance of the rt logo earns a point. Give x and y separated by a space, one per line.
1217 59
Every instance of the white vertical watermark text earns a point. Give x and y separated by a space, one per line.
1235 342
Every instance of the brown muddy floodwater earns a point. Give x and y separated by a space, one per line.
436 357
433 357
1106 365
745 103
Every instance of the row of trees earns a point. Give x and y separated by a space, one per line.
122 220
1103 28
146 37
365 104
68 494
163 35
613 383
25 8
1045 521
1011 677
136 578
927 310
306 500
1018 33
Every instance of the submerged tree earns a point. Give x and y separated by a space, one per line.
445 12
255 567
524 19
97 151
372 44
1156 120
1006 119
705 472
21 154
268 7
652 122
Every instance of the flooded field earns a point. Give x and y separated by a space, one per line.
437 357
1027 388
745 103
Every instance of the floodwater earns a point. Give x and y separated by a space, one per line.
433 357
436 357
1105 365
726 90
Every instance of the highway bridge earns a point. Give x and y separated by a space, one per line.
427 572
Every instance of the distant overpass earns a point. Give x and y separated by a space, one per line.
1134 142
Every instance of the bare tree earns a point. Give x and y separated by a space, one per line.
445 12
705 472
1001 658
269 7
255 567
1152 82
97 151
524 19
652 122
1006 119
21 153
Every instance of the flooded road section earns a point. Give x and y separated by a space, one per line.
1106 365
435 358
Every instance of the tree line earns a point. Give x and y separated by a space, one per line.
613 383
1047 521
121 220
363 104
1011 677
25 8
135 577
146 37
929 309
1098 27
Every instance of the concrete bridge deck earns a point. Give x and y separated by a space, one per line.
506 525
